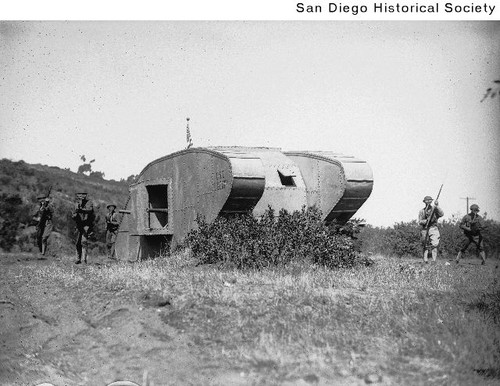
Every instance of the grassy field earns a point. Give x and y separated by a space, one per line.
396 322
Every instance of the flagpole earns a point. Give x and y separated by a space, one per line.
188 135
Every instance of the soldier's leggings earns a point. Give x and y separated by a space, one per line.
432 240
477 240
82 239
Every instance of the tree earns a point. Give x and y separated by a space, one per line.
97 175
130 179
492 91
85 168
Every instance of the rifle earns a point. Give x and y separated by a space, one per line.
48 192
42 217
36 220
473 223
427 225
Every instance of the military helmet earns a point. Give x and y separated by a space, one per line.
42 197
109 205
427 198
474 207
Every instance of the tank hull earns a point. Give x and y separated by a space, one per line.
337 184
172 191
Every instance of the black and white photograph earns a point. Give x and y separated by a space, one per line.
306 201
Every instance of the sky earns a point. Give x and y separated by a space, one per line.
403 95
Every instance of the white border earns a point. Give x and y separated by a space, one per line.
232 10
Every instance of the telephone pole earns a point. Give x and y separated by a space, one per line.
467 199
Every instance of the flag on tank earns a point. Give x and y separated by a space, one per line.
188 135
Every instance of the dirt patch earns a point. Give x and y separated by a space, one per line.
95 324
89 335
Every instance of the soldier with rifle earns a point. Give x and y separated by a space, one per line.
472 224
427 219
112 224
83 215
43 222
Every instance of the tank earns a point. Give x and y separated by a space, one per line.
172 191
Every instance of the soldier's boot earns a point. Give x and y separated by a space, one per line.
79 260
85 255
459 256
41 255
434 253
44 249
426 253
483 257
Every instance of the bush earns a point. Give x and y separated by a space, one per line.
492 238
452 238
406 239
272 240
12 212
403 239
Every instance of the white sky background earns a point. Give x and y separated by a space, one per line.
404 96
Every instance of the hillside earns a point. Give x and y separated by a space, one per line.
21 183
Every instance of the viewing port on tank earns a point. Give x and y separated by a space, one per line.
157 206
286 178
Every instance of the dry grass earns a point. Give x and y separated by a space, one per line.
416 324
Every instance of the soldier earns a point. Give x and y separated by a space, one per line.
472 224
83 214
43 221
427 219
112 224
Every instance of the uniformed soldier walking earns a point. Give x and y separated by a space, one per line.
472 224
43 220
112 225
83 214
427 219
